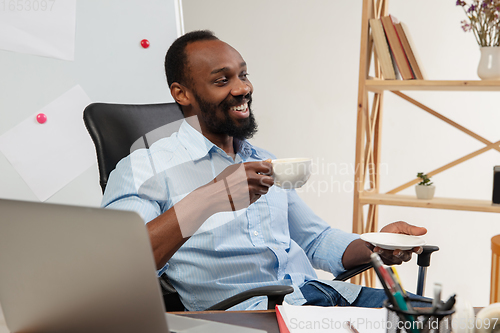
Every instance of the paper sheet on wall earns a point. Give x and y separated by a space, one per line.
39 27
49 156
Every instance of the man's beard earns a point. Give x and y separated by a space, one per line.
244 129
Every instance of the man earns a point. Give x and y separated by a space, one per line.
217 224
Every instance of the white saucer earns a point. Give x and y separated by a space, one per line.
390 241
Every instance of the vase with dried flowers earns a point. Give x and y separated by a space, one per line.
483 19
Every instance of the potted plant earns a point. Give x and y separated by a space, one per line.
425 190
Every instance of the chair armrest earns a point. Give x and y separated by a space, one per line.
424 258
423 261
275 295
353 272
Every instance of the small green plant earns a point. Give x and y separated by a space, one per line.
426 181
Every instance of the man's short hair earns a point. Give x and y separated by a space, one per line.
176 62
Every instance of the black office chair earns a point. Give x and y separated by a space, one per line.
119 129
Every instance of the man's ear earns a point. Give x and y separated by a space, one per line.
180 94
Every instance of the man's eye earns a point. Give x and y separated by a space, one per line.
244 75
221 81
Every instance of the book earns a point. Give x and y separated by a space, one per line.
409 48
307 318
382 49
396 47
282 326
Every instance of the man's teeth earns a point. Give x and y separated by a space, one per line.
242 107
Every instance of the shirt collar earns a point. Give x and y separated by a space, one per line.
195 143
244 148
198 145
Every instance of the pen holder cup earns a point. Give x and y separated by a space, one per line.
418 320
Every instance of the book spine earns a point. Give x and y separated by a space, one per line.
382 50
410 50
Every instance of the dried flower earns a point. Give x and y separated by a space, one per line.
483 20
466 26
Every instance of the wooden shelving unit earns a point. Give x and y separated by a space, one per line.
369 131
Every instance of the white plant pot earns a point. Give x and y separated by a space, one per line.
489 63
425 192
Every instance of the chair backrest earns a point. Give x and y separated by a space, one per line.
119 129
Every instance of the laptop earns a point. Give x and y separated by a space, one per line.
78 269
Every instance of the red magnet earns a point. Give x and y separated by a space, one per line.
145 43
41 118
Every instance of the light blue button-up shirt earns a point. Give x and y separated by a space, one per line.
276 240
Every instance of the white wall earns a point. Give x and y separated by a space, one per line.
303 59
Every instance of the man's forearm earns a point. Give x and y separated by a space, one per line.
173 228
355 254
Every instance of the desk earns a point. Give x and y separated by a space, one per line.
263 320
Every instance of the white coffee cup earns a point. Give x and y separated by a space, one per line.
291 173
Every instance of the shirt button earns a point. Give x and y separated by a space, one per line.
256 233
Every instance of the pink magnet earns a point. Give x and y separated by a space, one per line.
41 118
145 43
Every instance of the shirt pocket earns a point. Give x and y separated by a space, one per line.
277 200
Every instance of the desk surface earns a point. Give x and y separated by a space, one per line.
263 320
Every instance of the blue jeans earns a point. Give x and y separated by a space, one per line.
320 294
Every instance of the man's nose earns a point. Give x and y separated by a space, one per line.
241 88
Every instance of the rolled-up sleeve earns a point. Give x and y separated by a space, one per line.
122 193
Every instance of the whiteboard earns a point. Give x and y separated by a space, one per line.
110 65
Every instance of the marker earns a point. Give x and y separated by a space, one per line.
398 280
403 305
396 297
399 289
383 277
448 305
437 296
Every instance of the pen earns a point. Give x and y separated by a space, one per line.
397 285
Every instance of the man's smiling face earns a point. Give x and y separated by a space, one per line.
221 90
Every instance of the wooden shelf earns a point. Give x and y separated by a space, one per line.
377 85
439 203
